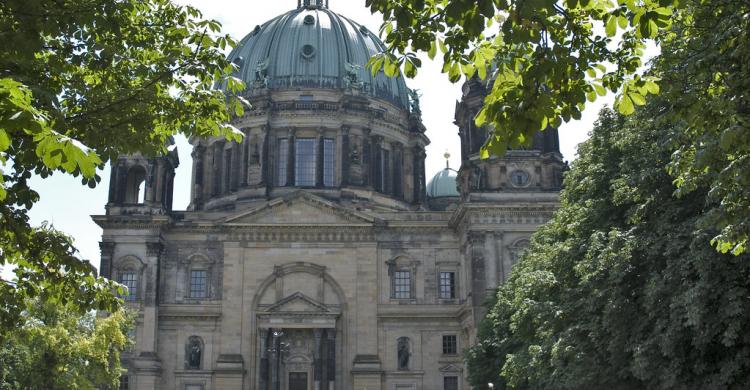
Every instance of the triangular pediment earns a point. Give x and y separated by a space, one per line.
450 368
298 302
300 208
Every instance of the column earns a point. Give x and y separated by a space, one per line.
263 351
319 160
122 183
275 359
112 182
366 159
264 160
345 159
197 193
208 168
107 249
331 358
245 160
376 171
397 151
290 174
317 362
419 174
490 246
218 161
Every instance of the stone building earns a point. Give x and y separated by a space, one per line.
313 255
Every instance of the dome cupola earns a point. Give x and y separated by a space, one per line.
313 47
319 122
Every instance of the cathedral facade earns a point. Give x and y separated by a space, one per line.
313 255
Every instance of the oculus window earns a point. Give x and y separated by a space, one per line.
304 162
519 178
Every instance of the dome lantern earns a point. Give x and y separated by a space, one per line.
312 3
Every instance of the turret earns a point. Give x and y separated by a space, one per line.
142 185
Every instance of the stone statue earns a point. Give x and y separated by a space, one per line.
477 178
261 73
352 76
194 354
414 102
354 154
403 353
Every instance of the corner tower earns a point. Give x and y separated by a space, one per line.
504 199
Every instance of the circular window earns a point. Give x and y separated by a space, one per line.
308 51
519 178
364 30
309 19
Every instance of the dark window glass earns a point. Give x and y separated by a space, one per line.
450 383
450 346
283 160
402 285
329 162
519 178
304 162
124 385
447 285
198 284
130 280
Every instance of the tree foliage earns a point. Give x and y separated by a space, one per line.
621 290
57 348
82 81
546 60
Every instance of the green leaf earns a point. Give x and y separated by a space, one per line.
611 26
4 140
624 105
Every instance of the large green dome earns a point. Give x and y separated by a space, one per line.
313 47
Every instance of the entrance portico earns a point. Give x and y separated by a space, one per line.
297 345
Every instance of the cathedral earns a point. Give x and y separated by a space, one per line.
315 254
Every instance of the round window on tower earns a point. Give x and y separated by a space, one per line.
519 178
309 20
308 51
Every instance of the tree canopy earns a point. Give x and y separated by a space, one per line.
546 60
82 81
57 348
621 290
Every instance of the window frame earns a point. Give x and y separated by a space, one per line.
395 284
305 165
448 337
206 283
451 286
455 377
329 162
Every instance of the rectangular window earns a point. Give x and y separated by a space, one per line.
329 162
450 383
194 387
198 284
124 385
306 98
402 285
447 285
305 160
282 162
450 344
130 280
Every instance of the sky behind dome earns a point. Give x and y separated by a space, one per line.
68 205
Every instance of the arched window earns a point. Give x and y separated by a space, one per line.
135 190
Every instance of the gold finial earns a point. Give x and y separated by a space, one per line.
447 156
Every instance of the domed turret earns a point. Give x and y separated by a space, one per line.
442 190
320 121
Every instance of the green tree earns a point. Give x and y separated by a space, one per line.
547 59
57 348
82 81
621 290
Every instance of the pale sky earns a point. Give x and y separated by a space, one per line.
68 205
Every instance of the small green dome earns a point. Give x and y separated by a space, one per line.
443 184
313 47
